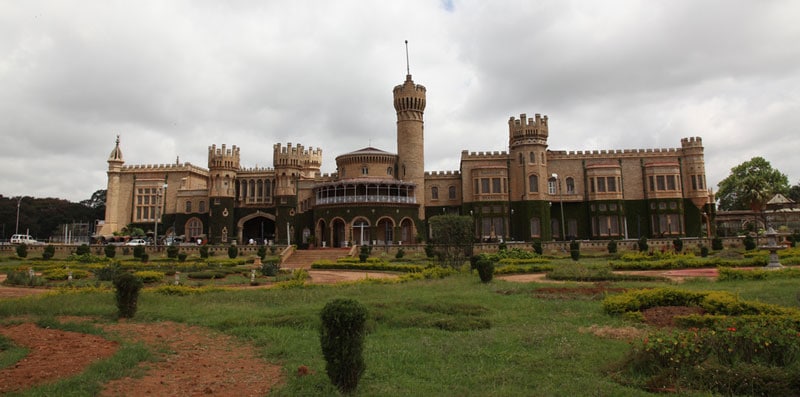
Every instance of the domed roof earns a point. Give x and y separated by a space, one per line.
367 150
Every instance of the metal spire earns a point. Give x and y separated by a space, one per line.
408 67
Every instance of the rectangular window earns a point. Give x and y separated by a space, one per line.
591 182
701 181
661 182
536 227
601 184
202 206
496 185
671 182
612 184
188 206
476 187
694 182
485 185
652 184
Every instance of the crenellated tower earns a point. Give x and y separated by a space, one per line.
527 144
223 164
409 102
693 169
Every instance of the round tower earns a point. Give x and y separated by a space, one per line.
527 145
223 164
409 102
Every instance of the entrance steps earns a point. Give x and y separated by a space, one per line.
302 259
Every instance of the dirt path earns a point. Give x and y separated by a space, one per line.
194 361
53 354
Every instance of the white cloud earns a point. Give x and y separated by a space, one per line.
173 78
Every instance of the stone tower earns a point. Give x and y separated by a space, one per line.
223 164
694 171
115 163
527 145
409 102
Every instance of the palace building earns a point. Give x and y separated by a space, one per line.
377 197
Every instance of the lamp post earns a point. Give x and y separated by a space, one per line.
19 200
157 212
561 202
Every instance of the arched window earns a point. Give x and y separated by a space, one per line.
533 184
194 228
389 171
533 157
570 185
521 159
552 186
434 193
451 192
202 207
188 206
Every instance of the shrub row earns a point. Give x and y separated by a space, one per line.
369 265
149 276
686 262
522 269
727 274
63 274
713 302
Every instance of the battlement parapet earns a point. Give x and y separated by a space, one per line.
223 157
189 167
297 156
528 127
256 170
694 141
615 153
442 174
467 155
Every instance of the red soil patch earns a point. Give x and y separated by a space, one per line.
53 354
664 316
191 360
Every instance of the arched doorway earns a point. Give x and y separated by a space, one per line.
385 231
259 226
338 232
322 234
406 231
360 231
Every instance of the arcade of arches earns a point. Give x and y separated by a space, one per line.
386 231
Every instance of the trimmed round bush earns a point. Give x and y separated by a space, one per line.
233 252
127 293
485 267
110 251
342 339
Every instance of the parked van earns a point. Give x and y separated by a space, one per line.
23 239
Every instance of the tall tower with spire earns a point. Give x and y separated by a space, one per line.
113 201
409 102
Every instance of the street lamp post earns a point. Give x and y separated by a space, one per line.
561 202
157 211
19 200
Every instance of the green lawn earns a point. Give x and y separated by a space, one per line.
453 336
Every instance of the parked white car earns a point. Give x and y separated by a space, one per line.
23 239
136 241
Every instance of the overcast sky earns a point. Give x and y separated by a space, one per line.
174 77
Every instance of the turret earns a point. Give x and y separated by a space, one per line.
409 102
111 223
223 164
527 145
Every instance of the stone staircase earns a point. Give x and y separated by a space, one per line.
302 259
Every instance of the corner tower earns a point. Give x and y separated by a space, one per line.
113 203
527 146
223 164
409 102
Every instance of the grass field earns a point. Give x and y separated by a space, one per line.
452 336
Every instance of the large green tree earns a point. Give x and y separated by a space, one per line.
750 185
453 238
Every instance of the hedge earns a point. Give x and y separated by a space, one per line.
713 302
369 265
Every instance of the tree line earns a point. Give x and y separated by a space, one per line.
41 217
